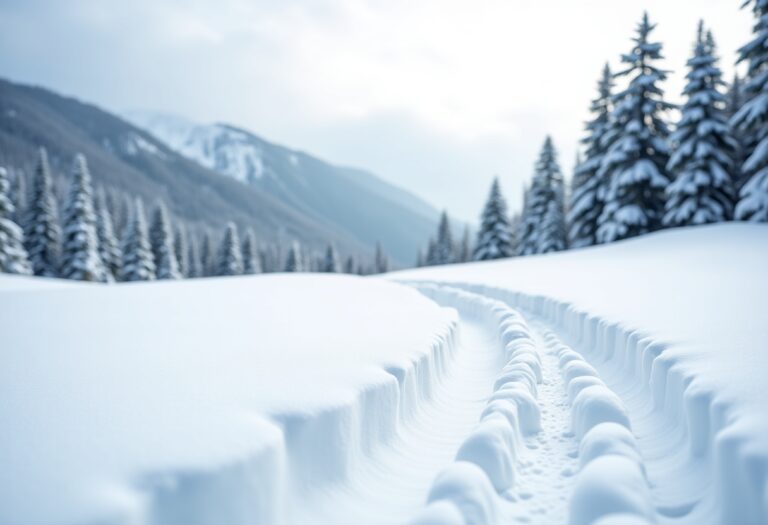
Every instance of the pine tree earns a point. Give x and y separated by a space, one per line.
180 250
138 264
206 256
752 120
380 261
637 153
161 241
445 251
251 260
703 190
81 259
18 196
494 239
230 257
330 263
193 258
545 215
109 248
588 188
735 98
464 251
294 261
431 257
349 265
13 256
42 236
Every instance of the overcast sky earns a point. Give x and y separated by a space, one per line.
436 96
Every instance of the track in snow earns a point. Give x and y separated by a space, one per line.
392 485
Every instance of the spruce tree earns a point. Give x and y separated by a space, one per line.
545 214
464 250
161 241
349 265
181 250
445 250
380 261
193 258
81 258
18 196
431 257
251 259
230 256
206 256
638 153
589 189
330 262
494 239
13 256
752 120
138 263
109 248
294 261
703 189
43 236
735 98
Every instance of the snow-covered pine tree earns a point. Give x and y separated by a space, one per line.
18 196
349 265
230 256
294 261
180 249
494 239
637 156
464 250
109 248
545 214
430 259
331 260
161 241
703 189
734 101
380 260
13 256
80 256
251 259
588 189
419 258
193 258
206 256
752 120
42 236
445 250
138 264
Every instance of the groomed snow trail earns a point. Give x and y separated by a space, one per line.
390 486
547 468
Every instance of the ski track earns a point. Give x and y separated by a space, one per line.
392 484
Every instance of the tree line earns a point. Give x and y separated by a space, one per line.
82 243
637 175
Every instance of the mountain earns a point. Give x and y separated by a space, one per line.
126 158
351 200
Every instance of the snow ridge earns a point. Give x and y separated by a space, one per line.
719 476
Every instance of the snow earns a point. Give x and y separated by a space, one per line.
621 384
175 402
674 322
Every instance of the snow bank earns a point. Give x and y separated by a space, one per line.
200 402
675 323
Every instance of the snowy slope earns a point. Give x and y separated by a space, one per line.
676 324
353 200
177 402
614 385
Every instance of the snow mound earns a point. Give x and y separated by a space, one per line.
198 402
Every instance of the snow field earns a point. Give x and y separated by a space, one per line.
278 404
699 460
